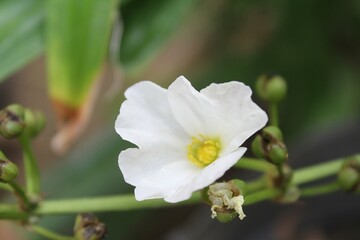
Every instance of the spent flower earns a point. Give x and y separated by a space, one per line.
186 139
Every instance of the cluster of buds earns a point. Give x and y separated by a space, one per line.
226 200
8 170
349 175
16 120
269 145
88 227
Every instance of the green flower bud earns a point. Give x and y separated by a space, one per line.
271 89
272 133
257 147
8 170
270 145
277 153
34 121
12 121
88 227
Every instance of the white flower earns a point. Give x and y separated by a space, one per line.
186 139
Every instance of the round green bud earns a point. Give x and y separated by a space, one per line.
348 178
271 89
34 121
12 121
272 133
8 171
277 154
257 147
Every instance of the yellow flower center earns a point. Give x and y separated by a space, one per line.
202 151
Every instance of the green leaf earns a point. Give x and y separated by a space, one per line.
21 34
77 39
147 26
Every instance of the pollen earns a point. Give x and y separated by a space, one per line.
203 150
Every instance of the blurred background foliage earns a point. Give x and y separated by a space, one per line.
313 44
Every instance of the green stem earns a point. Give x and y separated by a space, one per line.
32 173
255 164
6 187
318 190
105 204
317 171
20 194
274 115
49 234
261 196
11 212
256 185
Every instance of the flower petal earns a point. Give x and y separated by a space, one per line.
156 173
207 176
222 110
146 120
232 101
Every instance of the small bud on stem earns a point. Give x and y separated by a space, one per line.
88 227
12 121
8 170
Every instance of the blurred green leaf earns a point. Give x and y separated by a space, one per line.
147 26
21 34
77 39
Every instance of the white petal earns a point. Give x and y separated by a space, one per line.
156 173
207 176
241 116
220 110
146 120
191 109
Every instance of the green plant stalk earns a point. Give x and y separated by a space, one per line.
11 211
32 173
6 187
319 190
255 164
317 171
20 194
105 204
261 196
50 234
256 185
274 115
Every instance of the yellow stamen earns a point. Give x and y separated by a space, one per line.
203 151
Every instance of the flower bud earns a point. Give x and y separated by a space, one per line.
349 175
12 121
34 121
88 227
8 170
271 89
226 200
270 145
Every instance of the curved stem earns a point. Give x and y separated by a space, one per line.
50 234
319 190
6 187
20 194
255 164
32 173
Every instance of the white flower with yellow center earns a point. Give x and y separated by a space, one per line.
186 139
